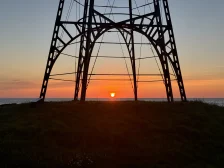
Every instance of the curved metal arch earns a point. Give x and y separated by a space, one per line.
151 40
100 33
119 29
104 30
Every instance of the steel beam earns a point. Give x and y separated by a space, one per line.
133 52
87 52
51 54
175 59
163 56
81 50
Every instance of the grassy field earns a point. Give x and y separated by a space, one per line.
112 134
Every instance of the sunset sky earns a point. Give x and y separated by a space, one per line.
26 30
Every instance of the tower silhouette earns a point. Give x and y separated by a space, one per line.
155 24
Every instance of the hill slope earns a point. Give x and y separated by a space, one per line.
112 134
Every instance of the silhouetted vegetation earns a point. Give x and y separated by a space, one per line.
112 134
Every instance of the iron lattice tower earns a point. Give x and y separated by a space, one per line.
94 24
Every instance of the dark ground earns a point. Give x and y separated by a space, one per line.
112 134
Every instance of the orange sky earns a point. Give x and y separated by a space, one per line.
194 89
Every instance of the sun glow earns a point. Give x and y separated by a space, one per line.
112 95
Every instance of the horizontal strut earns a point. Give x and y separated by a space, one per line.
111 80
107 42
108 74
114 25
115 57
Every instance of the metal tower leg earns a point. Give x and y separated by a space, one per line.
163 56
87 51
53 49
133 53
173 53
81 50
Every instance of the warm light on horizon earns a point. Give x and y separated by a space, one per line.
112 95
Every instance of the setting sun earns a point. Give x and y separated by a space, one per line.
112 95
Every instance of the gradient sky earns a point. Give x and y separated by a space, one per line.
26 29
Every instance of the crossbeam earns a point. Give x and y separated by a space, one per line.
94 74
114 25
146 81
112 57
